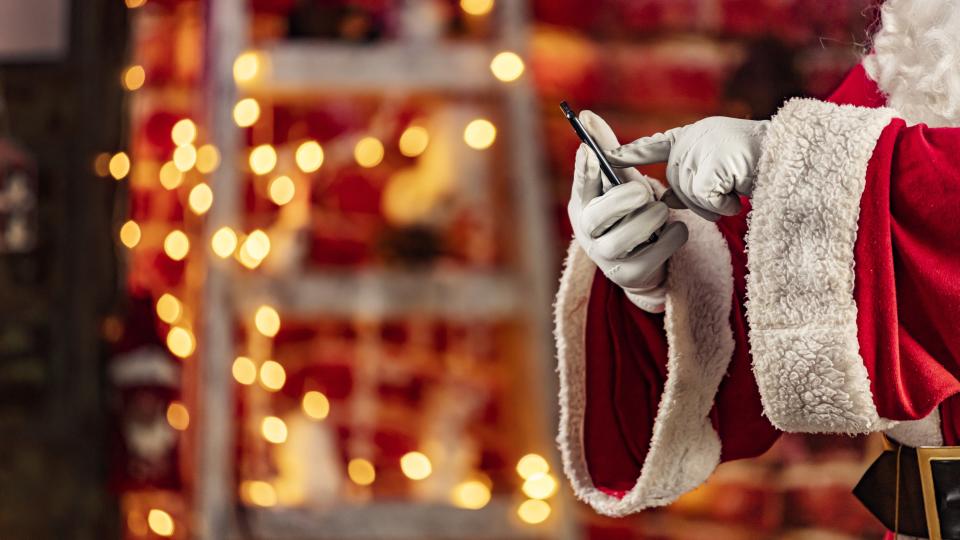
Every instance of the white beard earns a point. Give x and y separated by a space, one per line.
916 60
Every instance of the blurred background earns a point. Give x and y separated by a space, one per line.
283 269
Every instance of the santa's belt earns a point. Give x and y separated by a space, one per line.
914 491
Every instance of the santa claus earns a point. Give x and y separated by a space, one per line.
812 284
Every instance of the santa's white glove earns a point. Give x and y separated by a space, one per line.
710 163
615 228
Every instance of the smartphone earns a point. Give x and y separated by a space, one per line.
605 166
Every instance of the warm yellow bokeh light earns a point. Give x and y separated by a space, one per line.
272 375
413 141
282 190
532 464
185 157
247 260
263 159
208 158
259 493
361 471
368 152
101 164
246 112
309 156
134 77
244 370
316 405
160 522
476 7
480 134
181 342
533 511
170 176
184 132
176 245
134 4
471 494
257 245
267 321
224 242
119 165
169 308
200 199
415 465
178 416
507 66
130 234
274 430
246 67
540 486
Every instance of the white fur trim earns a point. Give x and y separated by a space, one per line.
684 448
803 226
923 432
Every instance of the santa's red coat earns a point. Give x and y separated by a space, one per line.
852 324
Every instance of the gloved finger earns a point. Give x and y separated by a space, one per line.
644 151
713 191
672 201
598 128
633 230
586 177
602 212
680 179
654 256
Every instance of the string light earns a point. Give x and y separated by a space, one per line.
185 157
184 132
361 471
208 158
316 405
263 159
415 465
471 494
119 165
533 511
170 176
181 342
130 234
178 416
272 375
368 152
259 493
133 78
176 245
200 199
246 112
539 486
101 164
169 308
282 190
254 249
476 7
134 4
267 321
160 522
507 66
246 67
224 242
532 464
274 430
413 141
244 370
309 156
480 134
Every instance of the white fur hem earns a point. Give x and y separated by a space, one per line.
684 448
801 309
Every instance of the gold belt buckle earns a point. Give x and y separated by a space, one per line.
925 456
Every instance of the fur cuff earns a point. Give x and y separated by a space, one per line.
684 448
801 309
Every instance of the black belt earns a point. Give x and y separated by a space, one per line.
914 491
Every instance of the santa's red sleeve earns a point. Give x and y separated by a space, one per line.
831 306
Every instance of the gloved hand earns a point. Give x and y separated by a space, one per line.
710 163
613 226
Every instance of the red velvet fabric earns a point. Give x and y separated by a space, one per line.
907 291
